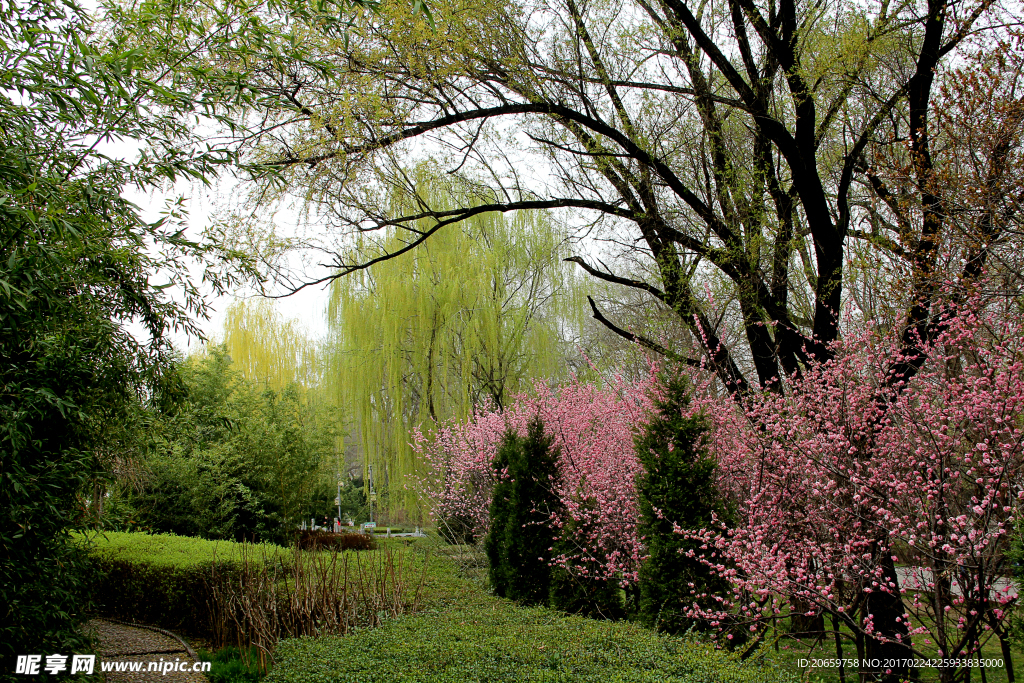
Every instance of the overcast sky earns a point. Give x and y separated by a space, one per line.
203 203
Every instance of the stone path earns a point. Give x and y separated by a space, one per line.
124 644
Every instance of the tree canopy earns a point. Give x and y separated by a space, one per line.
80 267
267 348
237 460
793 152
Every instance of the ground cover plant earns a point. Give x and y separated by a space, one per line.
169 550
231 665
466 634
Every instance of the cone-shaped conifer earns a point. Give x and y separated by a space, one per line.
677 485
521 536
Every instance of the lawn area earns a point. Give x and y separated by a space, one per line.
465 634
458 631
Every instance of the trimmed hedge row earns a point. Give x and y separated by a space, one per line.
327 540
487 639
168 580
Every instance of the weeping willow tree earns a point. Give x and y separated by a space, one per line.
267 348
476 314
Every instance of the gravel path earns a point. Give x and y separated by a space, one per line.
123 643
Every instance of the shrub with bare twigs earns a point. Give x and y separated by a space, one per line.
319 593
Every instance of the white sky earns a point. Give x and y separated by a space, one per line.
308 306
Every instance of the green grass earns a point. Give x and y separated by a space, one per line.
228 666
464 634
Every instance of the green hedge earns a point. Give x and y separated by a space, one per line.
491 640
165 579
168 550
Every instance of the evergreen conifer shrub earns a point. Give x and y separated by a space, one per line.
497 542
523 503
677 485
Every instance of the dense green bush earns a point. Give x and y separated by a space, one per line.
521 537
482 638
676 486
326 540
168 550
167 580
229 593
237 461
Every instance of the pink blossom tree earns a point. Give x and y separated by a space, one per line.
592 429
857 466
877 456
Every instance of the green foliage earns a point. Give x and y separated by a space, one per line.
268 348
677 486
78 266
470 318
237 461
521 537
353 501
250 594
586 595
481 638
229 665
167 580
501 572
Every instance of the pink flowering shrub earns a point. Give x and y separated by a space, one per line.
460 477
856 466
592 428
852 469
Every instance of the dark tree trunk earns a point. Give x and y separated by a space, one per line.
890 619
